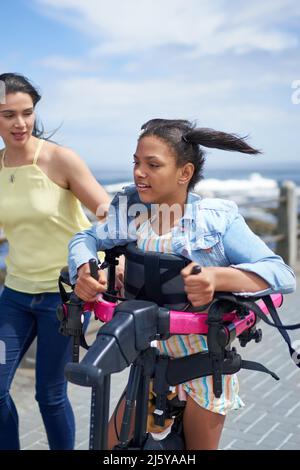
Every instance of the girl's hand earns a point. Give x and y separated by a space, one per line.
87 287
200 288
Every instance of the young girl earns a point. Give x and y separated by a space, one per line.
41 185
168 162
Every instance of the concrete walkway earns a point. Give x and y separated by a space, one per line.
270 419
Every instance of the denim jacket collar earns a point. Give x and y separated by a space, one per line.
182 232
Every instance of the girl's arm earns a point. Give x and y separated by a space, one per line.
254 269
200 288
248 253
115 230
86 244
83 247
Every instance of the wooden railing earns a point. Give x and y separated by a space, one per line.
287 234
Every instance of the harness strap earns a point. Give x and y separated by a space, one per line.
158 269
164 277
251 305
276 319
172 298
168 299
83 342
252 365
152 282
63 294
161 389
187 368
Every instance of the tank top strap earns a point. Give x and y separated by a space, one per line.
37 152
2 157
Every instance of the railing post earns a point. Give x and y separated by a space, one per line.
287 223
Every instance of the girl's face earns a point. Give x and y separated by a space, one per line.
16 119
156 176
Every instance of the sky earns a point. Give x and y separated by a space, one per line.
104 68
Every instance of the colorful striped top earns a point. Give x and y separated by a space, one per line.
201 389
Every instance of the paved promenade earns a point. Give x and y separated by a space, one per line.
270 419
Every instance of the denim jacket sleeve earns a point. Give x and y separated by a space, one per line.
118 229
85 245
246 251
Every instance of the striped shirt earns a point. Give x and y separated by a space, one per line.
200 389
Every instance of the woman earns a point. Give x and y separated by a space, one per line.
41 184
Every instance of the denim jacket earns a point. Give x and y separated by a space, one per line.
211 233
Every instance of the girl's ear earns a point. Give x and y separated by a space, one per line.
186 173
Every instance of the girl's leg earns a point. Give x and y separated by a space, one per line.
53 352
202 428
17 331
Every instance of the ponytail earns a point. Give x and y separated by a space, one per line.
186 142
218 140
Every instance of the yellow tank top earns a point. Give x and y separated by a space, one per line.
39 218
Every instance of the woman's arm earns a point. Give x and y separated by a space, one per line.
81 182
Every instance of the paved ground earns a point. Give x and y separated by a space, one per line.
270 419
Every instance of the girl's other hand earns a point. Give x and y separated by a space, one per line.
87 288
199 288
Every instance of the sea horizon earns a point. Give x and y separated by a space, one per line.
116 177
289 171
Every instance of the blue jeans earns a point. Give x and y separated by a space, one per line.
22 318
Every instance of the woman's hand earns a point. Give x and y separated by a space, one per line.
200 288
87 287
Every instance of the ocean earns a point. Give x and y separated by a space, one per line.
277 172
238 184
241 184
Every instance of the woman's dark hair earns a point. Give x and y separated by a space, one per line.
185 139
16 83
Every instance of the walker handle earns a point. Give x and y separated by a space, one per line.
196 269
93 264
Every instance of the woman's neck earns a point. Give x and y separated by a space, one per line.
20 155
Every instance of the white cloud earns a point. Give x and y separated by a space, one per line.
98 99
62 63
93 103
102 117
203 27
227 63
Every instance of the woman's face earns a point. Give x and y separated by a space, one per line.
156 174
16 119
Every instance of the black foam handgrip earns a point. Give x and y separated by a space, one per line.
93 263
196 269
